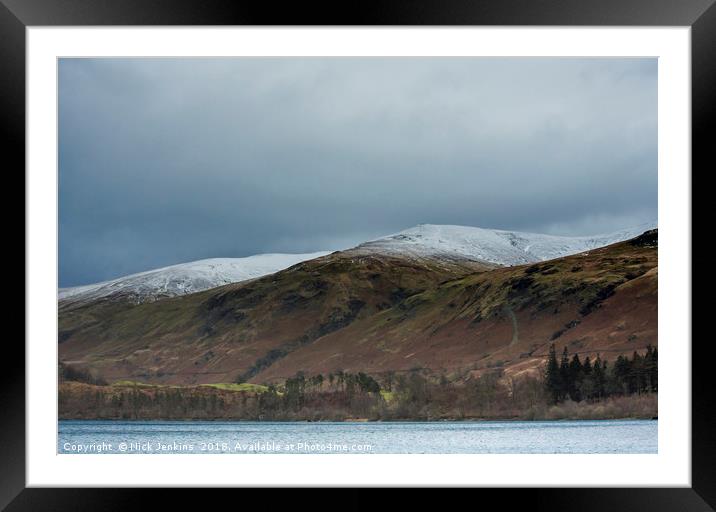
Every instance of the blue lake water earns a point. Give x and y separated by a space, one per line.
206 437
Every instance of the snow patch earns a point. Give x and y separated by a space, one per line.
186 278
504 248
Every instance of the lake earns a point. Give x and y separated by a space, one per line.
604 436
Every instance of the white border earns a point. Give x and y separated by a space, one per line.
670 467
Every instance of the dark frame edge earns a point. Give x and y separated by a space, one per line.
12 132
703 125
372 12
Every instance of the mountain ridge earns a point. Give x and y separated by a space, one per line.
184 278
449 243
493 246
376 312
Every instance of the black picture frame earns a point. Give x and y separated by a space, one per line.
700 15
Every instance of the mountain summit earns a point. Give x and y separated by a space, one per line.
493 246
184 278
460 246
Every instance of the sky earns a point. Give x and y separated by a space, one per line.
163 161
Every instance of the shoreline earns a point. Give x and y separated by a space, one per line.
357 421
89 402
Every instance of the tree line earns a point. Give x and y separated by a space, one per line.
569 388
572 379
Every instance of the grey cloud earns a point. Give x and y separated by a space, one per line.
170 160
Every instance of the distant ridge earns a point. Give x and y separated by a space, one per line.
184 278
445 243
495 246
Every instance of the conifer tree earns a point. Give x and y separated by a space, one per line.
587 367
599 377
575 379
655 371
553 381
650 368
564 374
586 384
636 377
621 374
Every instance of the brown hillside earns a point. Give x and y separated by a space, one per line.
355 312
239 330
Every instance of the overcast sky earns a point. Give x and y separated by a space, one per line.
163 161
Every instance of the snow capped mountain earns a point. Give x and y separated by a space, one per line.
453 243
185 278
504 248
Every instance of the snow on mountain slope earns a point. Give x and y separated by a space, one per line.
185 278
494 246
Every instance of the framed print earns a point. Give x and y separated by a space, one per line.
419 250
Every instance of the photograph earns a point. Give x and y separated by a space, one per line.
410 247
357 255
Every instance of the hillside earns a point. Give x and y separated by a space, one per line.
376 312
182 279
